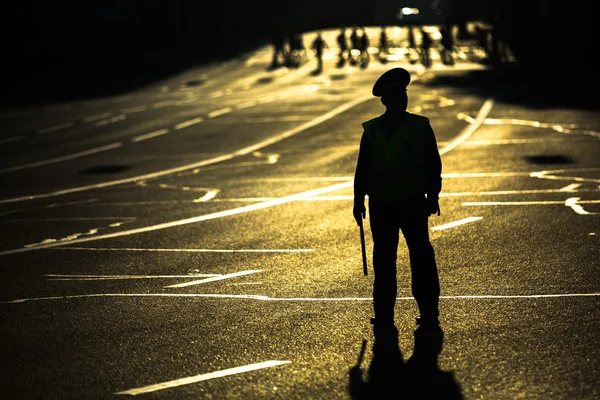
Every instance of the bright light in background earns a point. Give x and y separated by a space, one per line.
408 11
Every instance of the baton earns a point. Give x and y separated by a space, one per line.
362 245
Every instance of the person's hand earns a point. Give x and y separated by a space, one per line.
433 206
359 212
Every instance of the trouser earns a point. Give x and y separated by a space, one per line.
410 217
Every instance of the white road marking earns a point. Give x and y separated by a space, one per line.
205 217
351 197
456 223
307 299
203 377
460 175
225 157
188 250
574 202
511 192
111 120
262 120
476 123
299 179
189 122
220 111
247 104
56 128
164 103
96 117
150 135
63 158
66 219
247 150
492 142
568 128
523 203
547 175
208 196
11 139
132 110
213 279
570 188
69 277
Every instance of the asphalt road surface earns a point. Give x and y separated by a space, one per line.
194 239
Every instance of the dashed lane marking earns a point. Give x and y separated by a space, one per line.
62 158
12 139
189 122
56 128
150 135
220 111
96 117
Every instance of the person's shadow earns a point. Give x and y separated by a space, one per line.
390 377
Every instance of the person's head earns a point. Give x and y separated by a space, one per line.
395 100
391 88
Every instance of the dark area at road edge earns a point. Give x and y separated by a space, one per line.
59 51
79 79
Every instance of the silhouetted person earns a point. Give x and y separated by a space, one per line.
278 51
297 50
354 39
447 41
319 45
364 48
399 168
355 42
426 43
384 45
342 42
412 45
482 39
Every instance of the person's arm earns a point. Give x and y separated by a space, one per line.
434 169
360 179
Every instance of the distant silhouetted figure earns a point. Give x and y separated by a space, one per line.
319 45
342 42
399 168
364 48
412 46
384 44
279 54
354 46
447 45
354 39
426 43
297 54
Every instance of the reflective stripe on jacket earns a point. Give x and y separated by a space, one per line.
397 168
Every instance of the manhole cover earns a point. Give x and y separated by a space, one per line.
549 159
266 79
